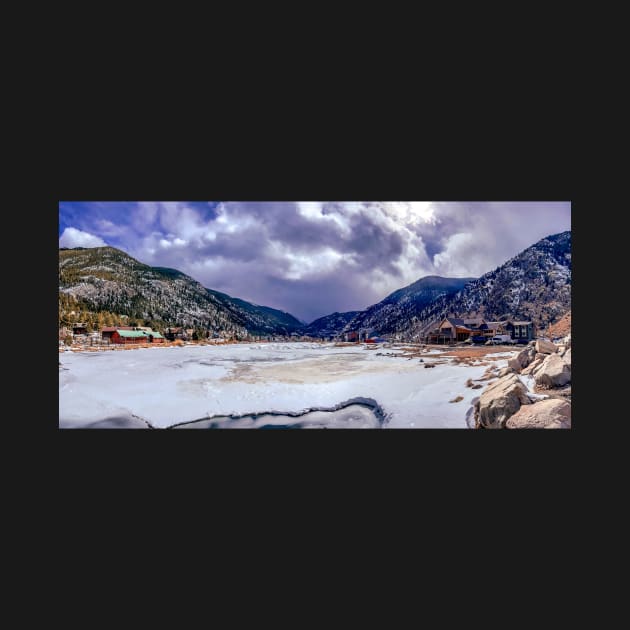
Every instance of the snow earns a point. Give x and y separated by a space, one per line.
168 386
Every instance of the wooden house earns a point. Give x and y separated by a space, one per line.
522 331
136 336
107 332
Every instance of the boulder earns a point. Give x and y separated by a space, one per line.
513 366
506 370
522 359
546 347
567 357
532 367
553 372
499 401
552 413
541 356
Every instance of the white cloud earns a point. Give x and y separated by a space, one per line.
72 237
313 258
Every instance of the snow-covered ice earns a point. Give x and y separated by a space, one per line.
168 386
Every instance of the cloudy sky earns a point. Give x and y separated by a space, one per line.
314 258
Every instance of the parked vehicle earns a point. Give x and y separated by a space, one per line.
479 339
502 339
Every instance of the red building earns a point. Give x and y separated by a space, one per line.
136 336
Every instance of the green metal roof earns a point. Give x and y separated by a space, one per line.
156 335
132 333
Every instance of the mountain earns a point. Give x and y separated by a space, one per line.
260 319
534 285
106 285
398 308
329 325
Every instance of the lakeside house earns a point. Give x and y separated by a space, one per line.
127 334
458 329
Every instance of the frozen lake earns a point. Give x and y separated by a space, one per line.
296 385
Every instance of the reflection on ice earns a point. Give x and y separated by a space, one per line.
354 416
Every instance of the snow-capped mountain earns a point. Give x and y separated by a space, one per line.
107 280
534 285
391 314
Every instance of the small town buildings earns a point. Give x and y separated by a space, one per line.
457 329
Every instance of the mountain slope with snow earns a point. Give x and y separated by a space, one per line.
106 279
534 285
329 325
391 314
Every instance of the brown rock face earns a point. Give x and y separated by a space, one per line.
513 364
545 414
546 347
499 401
532 367
554 372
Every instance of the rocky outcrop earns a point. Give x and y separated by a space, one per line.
546 347
554 372
566 357
513 365
545 414
532 367
500 401
522 359
507 370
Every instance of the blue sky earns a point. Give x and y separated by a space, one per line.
314 258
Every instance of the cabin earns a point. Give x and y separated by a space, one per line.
494 328
136 336
175 332
79 329
107 332
450 330
520 331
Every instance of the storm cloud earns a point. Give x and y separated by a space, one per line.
314 258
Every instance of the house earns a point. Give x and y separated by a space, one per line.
174 332
107 332
451 330
522 331
79 329
153 336
128 336
136 336
494 328
455 329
